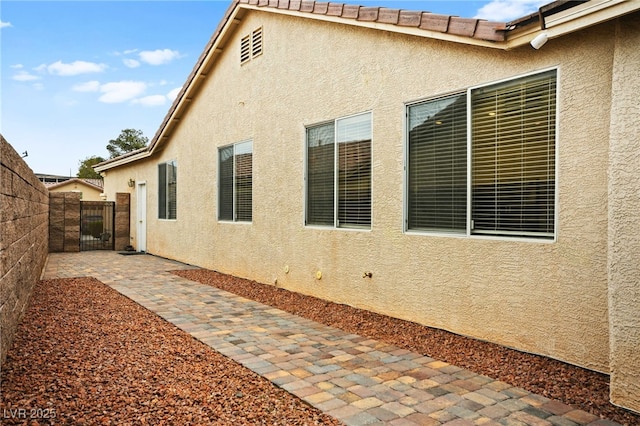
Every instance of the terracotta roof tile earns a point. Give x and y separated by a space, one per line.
389 16
307 6
368 14
335 9
350 11
409 18
434 22
462 26
454 25
295 4
321 8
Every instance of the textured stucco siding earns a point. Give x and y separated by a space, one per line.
542 297
624 218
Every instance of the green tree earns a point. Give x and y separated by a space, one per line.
86 167
129 140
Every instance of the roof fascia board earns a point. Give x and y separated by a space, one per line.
195 79
189 89
574 19
121 161
414 31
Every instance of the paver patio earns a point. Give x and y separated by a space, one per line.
352 378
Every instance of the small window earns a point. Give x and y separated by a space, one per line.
167 190
339 173
235 182
251 46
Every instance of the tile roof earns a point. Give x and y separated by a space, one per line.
454 25
96 183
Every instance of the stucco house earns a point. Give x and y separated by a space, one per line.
89 189
474 176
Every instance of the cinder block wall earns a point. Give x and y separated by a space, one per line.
64 222
24 239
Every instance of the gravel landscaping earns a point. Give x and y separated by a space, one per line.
572 385
86 355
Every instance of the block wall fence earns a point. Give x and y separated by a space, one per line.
24 239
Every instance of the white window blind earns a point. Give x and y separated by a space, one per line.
243 186
353 135
235 182
339 173
512 160
320 174
513 157
437 166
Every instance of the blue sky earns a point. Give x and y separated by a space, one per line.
74 74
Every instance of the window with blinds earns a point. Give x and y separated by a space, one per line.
339 173
235 182
511 190
437 169
167 190
513 157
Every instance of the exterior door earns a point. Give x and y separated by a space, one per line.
141 217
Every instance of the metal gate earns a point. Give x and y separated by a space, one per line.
96 225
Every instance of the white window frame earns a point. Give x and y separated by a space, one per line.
469 191
336 199
238 148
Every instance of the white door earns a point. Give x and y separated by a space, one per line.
141 217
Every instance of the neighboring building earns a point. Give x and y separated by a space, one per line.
489 188
89 189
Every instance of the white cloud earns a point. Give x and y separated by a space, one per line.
130 51
89 86
5 24
17 66
25 76
153 100
131 63
507 10
158 57
121 91
172 95
74 68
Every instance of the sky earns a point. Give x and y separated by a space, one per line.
74 74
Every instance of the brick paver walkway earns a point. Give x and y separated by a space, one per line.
354 379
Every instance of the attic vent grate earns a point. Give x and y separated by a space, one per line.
251 46
256 42
245 51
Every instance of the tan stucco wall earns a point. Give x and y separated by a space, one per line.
88 193
624 218
542 297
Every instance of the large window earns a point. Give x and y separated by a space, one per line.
483 161
339 173
235 165
167 190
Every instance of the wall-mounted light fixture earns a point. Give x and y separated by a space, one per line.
539 40
131 183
